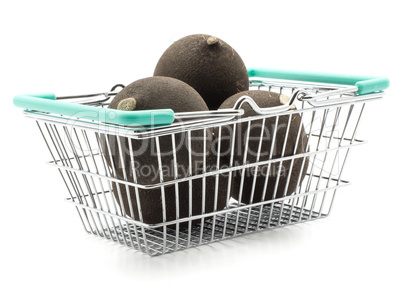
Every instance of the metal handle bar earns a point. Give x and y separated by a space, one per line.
164 117
365 84
48 103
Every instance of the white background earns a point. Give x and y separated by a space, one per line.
78 47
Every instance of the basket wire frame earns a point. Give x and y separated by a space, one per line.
77 153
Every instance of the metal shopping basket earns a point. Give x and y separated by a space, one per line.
198 208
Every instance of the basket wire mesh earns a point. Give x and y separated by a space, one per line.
78 154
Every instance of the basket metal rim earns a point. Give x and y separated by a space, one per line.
161 131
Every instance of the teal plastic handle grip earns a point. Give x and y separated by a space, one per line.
48 103
365 84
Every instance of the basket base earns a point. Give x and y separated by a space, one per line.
164 239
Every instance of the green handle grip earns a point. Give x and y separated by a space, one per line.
365 84
48 103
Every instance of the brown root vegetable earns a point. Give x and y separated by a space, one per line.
280 176
206 63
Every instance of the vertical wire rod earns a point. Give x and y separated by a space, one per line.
158 153
137 196
125 177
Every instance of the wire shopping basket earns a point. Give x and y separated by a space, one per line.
231 191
